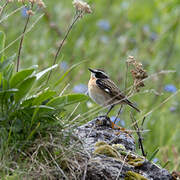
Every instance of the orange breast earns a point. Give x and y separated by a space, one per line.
98 95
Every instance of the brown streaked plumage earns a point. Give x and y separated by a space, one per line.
104 91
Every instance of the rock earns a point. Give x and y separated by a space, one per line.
98 130
111 154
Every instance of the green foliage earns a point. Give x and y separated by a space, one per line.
23 111
2 44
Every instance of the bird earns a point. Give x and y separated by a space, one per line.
105 92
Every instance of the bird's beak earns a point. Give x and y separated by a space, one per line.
91 70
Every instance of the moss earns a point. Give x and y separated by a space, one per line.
119 146
136 161
107 150
130 175
100 143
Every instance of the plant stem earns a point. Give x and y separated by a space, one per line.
140 139
22 39
76 17
2 8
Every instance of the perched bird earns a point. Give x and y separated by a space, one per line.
105 92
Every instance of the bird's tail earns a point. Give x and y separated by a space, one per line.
132 105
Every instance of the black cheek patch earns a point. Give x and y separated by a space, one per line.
100 75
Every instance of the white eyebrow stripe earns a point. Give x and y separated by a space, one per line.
102 72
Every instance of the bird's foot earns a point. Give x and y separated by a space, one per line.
104 120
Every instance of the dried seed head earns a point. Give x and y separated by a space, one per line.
30 12
41 4
138 73
82 6
32 1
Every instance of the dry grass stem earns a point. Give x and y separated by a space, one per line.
29 13
12 13
3 7
30 28
63 41
81 9
138 131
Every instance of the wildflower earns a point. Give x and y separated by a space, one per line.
24 12
153 36
172 109
155 160
80 88
146 29
104 25
64 65
82 6
170 88
121 122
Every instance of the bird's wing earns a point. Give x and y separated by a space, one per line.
110 88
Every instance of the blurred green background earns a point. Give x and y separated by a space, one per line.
147 30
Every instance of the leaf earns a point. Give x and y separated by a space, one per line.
7 74
7 92
21 76
43 108
6 62
60 102
45 95
45 71
28 101
154 154
24 88
2 44
33 132
66 73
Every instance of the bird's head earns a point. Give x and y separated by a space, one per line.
98 73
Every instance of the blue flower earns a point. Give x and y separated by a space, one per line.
118 121
103 24
64 65
155 160
24 12
153 36
80 88
170 88
172 109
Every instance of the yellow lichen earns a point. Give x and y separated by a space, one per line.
130 175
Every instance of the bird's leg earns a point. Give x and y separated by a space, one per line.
111 107
107 118
118 114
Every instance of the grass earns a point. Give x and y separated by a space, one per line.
104 39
